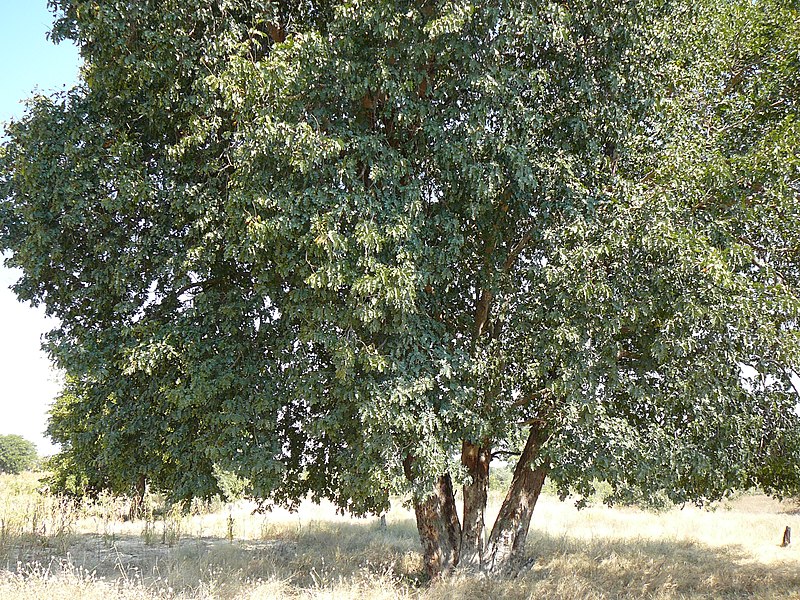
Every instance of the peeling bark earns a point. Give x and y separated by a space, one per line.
476 460
447 544
506 544
438 526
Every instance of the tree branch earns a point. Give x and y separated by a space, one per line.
497 453
516 250
202 284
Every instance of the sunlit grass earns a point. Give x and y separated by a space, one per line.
53 549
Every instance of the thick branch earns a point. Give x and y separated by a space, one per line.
483 306
507 541
482 312
516 250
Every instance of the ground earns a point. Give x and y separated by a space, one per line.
51 549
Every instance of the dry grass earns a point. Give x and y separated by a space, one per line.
50 549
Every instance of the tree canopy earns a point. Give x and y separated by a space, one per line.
353 249
16 454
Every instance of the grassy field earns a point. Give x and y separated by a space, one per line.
52 549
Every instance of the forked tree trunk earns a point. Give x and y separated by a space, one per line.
506 544
446 545
476 460
438 526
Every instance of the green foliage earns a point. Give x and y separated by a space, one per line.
233 488
500 477
66 477
16 454
303 244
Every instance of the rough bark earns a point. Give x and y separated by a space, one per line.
476 460
438 526
506 544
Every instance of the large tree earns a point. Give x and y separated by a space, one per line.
352 249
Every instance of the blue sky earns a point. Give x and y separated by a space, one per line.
31 64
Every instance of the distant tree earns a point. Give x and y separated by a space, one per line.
349 249
16 454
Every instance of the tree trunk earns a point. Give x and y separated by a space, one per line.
476 460
137 499
446 545
438 526
506 545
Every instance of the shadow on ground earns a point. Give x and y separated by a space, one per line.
323 555
648 568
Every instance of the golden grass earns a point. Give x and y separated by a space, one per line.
49 549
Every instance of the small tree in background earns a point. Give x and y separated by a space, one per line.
16 454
